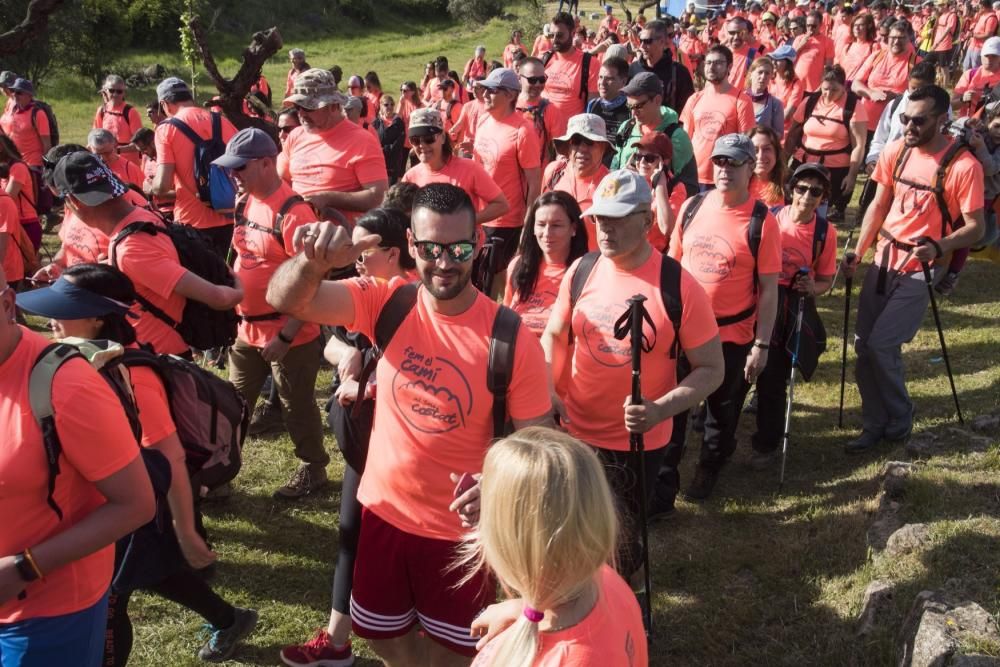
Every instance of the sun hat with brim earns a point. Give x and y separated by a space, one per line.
586 125
814 169
250 143
425 122
87 178
735 146
62 300
314 89
621 193
783 52
23 86
501 78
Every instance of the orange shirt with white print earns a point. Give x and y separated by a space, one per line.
25 127
343 158
26 198
579 187
259 253
10 224
709 115
915 213
506 148
81 244
716 251
115 120
611 634
173 147
151 261
797 248
433 413
811 56
975 80
96 442
534 310
741 65
461 172
789 94
854 56
601 364
824 130
562 88
884 70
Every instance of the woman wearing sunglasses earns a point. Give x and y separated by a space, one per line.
652 159
409 101
119 118
807 268
439 164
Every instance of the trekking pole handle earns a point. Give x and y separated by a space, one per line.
635 310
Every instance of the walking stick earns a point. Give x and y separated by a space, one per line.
944 349
847 244
791 381
848 283
631 323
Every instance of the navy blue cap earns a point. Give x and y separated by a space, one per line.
63 300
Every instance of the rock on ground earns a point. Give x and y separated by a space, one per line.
878 600
937 624
909 538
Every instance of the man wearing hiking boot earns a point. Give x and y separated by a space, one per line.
268 341
925 182
731 244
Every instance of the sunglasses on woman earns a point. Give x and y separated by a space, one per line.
426 140
648 158
459 251
814 190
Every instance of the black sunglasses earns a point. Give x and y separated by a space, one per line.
918 121
426 139
648 158
535 80
728 162
576 140
815 190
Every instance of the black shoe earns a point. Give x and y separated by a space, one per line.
702 484
662 505
900 439
223 642
867 440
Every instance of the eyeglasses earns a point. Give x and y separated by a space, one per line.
535 80
728 162
459 251
815 190
648 41
426 140
733 33
286 129
918 121
637 107
115 91
648 158
363 257
576 141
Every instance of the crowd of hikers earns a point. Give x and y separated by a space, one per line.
530 279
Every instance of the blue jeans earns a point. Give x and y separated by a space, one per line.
71 639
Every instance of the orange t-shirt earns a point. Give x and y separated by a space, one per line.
113 119
692 52
825 131
26 198
580 188
976 80
96 443
127 172
854 55
741 65
10 224
709 115
547 128
790 95
716 251
506 148
563 86
154 407
26 132
151 261
884 71
943 31
433 411
258 256
81 244
797 248
540 46
535 310
986 22
915 213
172 147
759 189
459 171
464 129
344 158
601 364
811 56
611 634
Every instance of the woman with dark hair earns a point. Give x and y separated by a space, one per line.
864 42
827 137
409 101
169 562
16 179
349 352
768 181
784 85
373 89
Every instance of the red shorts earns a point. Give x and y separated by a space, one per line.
401 580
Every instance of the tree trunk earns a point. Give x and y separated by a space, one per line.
36 21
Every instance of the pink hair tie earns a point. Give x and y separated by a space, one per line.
533 615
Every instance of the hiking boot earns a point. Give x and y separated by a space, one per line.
661 506
867 440
762 460
219 493
266 419
222 644
751 406
947 284
318 652
702 484
305 480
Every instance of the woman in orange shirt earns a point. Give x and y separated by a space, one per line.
785 86
768 181
547 529
863 43
652 160
409 101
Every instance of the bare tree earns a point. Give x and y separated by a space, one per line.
36 21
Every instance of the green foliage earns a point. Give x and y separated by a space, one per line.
475 12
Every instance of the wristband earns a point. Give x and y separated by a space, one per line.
283 338
763 346
26 566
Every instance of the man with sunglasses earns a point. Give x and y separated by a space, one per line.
655 56
336 165
433 418
268 342
119 118
712 240
909 228
572 74
813 52
26 124
542 114
581 164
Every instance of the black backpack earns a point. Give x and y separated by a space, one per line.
201 327
215 188
812 99
46 108
584 71
670 291
754 233
956 149
500 367
102 111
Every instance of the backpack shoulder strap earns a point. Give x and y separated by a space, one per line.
216 126
279 220
579 279
900 163
585 75
849 106
692 209
754 233
186 130
670 289
950 155
126 110
546 57
820 231
503 341
812 99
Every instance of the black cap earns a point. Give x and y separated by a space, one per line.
89 180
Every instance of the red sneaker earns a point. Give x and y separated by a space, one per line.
318 652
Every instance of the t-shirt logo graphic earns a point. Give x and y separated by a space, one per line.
597 331
249 243
712 258
710 124
488 152
431 393
792 260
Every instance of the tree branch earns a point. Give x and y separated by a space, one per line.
36 22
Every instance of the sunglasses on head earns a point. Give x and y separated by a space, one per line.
814 190
426 140
918 121
535 80
728 162
459 251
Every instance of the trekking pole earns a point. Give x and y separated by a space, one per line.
631 323
791 380
848 284
847 244
944 349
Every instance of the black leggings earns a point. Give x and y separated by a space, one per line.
348 533
184 587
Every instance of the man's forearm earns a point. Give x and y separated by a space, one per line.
965 236
293 286
691 391
767 309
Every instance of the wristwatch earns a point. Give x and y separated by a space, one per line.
24 568
761 345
